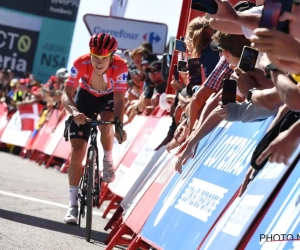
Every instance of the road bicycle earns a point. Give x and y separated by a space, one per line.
90 182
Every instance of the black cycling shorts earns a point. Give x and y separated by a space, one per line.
91 106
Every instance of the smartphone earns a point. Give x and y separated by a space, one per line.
270 14
229 91
286 6
182 66
248 59
207 6
180 45
176 73
194 67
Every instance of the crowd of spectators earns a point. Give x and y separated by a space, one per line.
270 89
18 91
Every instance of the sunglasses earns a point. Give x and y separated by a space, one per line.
135 72
100 53
220 49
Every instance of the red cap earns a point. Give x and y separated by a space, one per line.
52 79
22 81
35 90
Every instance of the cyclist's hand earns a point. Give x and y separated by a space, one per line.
79 118
121 137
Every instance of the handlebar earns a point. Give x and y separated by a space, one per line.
93 123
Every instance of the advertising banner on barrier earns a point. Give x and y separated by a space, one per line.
132 130
3 118
131 155
230 231
44 133
137 192
13 133
147 197
194 200
143 157
280 227
55 138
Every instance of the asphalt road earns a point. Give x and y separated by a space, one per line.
33 203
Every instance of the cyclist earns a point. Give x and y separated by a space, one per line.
102 80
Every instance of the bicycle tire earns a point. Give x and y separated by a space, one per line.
90 188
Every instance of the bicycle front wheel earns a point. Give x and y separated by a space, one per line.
89 197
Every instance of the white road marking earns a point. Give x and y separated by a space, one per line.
45 202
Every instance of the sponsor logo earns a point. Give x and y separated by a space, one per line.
73 133
117 33
86 62
17 48
72 3
73 72
62 9
122 77
80 133
110 102
151 37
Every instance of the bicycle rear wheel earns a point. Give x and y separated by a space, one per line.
90 188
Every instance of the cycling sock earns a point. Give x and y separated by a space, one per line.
73 195
108 156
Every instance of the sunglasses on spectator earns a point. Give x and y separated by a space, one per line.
135 72
220 49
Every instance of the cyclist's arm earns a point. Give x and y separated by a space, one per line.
119 105
70 90
120 90
67 100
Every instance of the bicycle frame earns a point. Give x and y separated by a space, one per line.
89 189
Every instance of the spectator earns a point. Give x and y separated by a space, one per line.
231 47
137 56
197 40
150 96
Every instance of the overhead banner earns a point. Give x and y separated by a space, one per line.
128 32
36 35
19 34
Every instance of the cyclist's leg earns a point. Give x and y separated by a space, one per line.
107 137
79 137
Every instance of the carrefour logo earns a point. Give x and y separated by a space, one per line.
152 37
118 33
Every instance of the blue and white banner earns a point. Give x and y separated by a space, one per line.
280 227
232 229
193 201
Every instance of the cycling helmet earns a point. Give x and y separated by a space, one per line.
62 73
103 45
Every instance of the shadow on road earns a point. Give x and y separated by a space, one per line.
51 225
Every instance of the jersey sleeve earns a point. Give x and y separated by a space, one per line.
120 77
73 79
